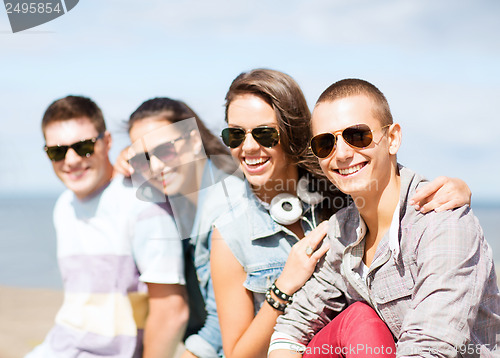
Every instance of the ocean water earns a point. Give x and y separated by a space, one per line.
28 243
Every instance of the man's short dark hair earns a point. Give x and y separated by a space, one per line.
72 107
355 87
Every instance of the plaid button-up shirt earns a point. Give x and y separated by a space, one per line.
433 284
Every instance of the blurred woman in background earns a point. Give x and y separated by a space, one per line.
178 163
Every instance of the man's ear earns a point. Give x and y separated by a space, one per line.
394 136
108 141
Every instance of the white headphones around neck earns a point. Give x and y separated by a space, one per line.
286 208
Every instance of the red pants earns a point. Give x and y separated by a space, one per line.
356 332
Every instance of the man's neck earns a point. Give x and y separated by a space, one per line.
377 213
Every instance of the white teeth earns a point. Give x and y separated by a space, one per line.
255 161
350 170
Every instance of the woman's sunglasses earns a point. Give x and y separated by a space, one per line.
358 136
265 136
166 152
84 148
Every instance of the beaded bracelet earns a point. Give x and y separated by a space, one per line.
280 293
275 304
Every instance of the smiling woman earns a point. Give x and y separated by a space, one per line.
262 164
250 249
167 155
189 170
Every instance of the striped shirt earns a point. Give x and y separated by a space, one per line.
109 247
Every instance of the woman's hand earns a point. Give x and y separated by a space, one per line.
441 194
122 165
302 260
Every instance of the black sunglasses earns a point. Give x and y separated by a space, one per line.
265 136
84 148
358 136
165 152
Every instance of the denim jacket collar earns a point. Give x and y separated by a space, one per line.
263 225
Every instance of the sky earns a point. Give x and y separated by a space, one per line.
437 62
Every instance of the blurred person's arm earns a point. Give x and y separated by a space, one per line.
166 321
158 254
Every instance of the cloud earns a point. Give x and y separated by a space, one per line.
404 24
436 61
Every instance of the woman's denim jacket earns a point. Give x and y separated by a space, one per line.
218 194
260 244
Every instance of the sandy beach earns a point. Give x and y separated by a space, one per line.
26 315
